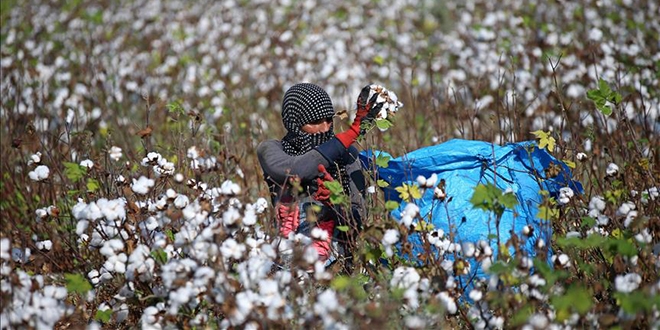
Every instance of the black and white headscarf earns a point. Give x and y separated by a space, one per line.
306 103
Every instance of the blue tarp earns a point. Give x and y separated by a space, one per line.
518 167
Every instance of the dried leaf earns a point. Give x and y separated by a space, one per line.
146 132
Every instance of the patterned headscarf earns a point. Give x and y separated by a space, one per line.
303 104
306 103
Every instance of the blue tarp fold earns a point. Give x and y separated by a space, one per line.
463 164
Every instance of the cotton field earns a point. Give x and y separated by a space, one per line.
132 196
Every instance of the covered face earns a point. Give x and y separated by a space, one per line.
305 103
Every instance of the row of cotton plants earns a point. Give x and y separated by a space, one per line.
163 252
97 61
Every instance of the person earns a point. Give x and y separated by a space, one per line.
296 168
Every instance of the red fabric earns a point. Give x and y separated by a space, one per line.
322 193
349 136
323 246
363 106
288 217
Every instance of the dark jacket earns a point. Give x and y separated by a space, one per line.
278 166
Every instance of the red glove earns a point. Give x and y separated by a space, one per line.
288 216
364 106
322 193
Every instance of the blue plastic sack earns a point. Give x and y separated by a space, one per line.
517 167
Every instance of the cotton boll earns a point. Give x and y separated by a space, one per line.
565 195
612 169
44 245
181 201
87 163
448 302
40 173
627 283
142 185
115 153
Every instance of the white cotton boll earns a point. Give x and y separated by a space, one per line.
320 234
181 201
496 322
115 153
629 218
261 205
44 245
565 195
170 193
35 158
249 216
230 188
644 237
40 173
581 156
627 283
432 180
390 237
476 295
5 246
625 208
538 321
232 249
448 302
41 213
112 209
231 216
612 169
409 213
415 322
468 249
142 185
421 181
597 203
87 163
179 177
562 260
310 255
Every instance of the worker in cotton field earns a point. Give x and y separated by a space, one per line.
310 154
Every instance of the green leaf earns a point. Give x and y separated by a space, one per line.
636 302
340 283
382 161
379 60
545 140
604 97
391 205
489 197
547 213
170 234
73 171
103 316
382 183
342 228
92 185
160 256
383 124
577 299
77 283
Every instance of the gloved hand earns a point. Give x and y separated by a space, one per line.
365 106
288 217
322 193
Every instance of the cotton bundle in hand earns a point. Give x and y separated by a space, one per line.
390 105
